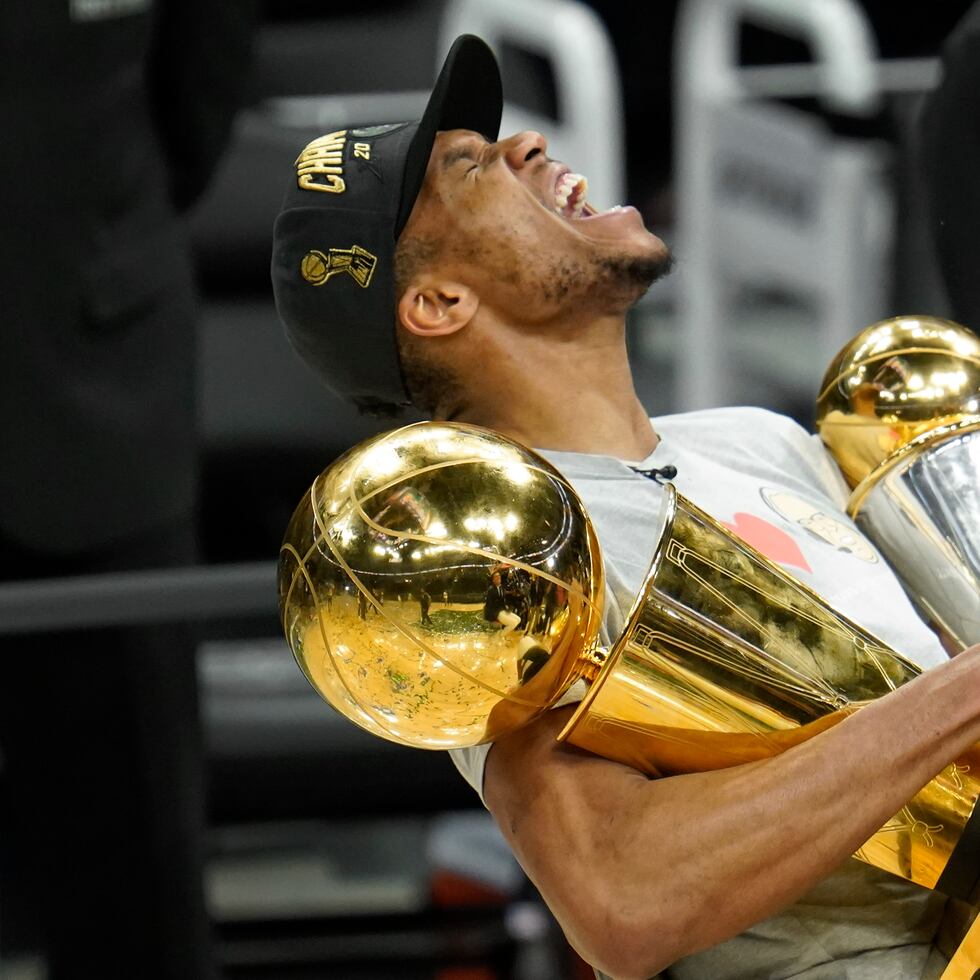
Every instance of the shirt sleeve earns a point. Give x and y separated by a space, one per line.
471 762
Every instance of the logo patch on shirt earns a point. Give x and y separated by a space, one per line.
818 524
773 542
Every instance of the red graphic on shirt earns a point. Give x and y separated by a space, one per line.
775 544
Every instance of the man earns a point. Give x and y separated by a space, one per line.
425 601
428 263
495 605
115 115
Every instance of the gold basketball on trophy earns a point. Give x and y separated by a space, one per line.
441 586
894 381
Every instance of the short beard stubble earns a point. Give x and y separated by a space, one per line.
618 280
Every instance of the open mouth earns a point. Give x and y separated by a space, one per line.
571 202
570 196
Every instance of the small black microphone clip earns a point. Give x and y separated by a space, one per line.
660 475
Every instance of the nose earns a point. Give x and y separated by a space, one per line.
521 148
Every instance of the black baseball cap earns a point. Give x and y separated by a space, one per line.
334 241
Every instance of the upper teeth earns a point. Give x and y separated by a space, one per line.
566 185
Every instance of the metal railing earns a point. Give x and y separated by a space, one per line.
127 598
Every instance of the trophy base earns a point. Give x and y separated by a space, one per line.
961 876
959 940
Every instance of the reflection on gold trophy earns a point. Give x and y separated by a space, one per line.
899 409
725 658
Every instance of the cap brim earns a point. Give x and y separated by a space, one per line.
468 94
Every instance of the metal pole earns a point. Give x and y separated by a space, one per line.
126 598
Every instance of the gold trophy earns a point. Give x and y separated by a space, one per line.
725 658
899 409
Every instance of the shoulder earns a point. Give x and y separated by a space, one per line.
471 763
757 441
744 432
746 419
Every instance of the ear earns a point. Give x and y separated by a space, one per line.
436 311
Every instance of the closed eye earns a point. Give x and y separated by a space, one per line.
470 151
455 156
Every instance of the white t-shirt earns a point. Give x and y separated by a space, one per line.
775 486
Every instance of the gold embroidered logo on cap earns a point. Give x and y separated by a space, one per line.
318 267
320 166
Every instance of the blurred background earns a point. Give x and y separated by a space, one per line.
795 154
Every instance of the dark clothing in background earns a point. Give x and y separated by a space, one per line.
950 159
101 791
97 335
494 603
114 113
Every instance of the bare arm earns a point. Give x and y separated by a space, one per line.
640 873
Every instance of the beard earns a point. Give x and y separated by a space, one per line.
601 283
629 277
602 280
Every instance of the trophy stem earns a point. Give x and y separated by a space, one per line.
591 663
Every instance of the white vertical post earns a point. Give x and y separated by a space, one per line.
706 79
589 135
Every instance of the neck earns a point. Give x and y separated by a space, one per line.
568 390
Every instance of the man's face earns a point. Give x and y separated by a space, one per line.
514 225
